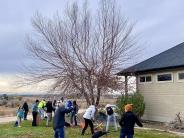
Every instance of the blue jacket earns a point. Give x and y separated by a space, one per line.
20 113
35 107
127 123
59 117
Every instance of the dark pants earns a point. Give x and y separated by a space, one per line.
73 117
122 135
59 133
34 114
25 115
90 123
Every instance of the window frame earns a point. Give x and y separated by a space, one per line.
172 77
178 80
145 79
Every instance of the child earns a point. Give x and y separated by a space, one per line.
74 113
20 115
128 121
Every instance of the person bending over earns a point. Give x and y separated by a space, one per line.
89 117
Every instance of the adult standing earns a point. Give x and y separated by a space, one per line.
89 117
35 112
74 113
54 105
49 110
110 116
59 121
25 107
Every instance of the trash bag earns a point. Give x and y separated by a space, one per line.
102 117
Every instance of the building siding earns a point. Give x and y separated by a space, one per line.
163 100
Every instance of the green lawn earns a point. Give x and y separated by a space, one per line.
26 131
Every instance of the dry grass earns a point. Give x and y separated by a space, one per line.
7 111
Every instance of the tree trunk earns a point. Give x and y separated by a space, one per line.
84 93
98 96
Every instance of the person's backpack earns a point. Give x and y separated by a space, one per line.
69 104
109 110
99 134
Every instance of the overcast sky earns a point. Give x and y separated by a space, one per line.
159 24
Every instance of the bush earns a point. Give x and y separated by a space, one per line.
178 122
136 99
19 98
3 102
5 96
13 103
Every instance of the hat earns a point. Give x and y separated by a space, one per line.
128 107
108 105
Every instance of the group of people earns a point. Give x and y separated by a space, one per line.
44 110
127 122
61 107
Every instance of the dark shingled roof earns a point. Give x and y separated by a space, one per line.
171 58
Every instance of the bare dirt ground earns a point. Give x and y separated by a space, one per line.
160 125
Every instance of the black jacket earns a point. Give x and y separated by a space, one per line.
128 121
59 117
25 107
75 109
49 107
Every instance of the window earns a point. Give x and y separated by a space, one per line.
142 79
148 78
181 76
145 79
167 77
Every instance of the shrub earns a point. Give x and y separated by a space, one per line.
136 99
19 98
5 96
13 103
178 122
3 102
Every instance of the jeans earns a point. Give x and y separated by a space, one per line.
49 118
59 133
18 121
25 115
122 135
109 117
73 117
41 112
34 123
90 123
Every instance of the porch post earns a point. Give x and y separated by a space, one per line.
137 81
126 85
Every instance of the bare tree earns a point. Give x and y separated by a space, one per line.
81 52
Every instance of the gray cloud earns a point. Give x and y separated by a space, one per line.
158 22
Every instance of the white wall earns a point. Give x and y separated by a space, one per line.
163 100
